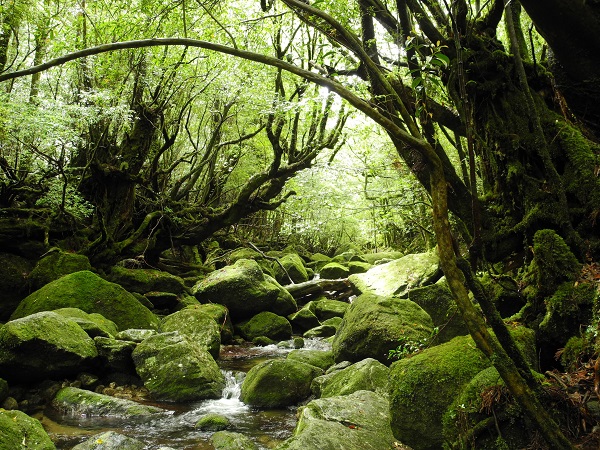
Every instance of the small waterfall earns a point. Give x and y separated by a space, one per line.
233 384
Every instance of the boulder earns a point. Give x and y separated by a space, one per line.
93 324
319 358
278 383
44 345
266 324
110 440
373 258
14 270
374 325
284 303
333 271
305 318
359 421
358 267
221 316
197 326
322 331
325 308
135 334
90 293
228 440
398 277
468 412
173 368
115 355
146 280
566 310
242 288
437 300
80 402
19 431
213 422
56 264
366 375
294 266
422 388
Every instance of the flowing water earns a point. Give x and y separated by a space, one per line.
175 428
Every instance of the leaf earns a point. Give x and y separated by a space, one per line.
416 82
442 58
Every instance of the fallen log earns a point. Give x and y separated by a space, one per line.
316 287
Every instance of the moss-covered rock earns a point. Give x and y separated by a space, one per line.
93 324
468 419
135 334
374 325
56 264
424 386
19 431
373 258
325 308
553 262
266 324
400 276
228 440
294 266
115 355
278 383
322 331
304 319
14 271
90 293
566 310
44 345
366 375
284 303
220 314
242 288
80 402
197 326
146 280
437 300
213 422
333 271
173 368
359 421
358 267
110 440
319 358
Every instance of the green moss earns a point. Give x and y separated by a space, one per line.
90 293
294 266
278 383
196 325
318 358
424 386
365 375
373 325
56 265
227 440
570 357
334 270
266 324
213 422
82 402
553 262
19 431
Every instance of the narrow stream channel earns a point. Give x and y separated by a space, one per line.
175 428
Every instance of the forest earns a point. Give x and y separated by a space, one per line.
166 136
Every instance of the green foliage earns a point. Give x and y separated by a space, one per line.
408 346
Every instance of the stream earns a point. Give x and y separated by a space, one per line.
175 428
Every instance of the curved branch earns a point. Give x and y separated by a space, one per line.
336 87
